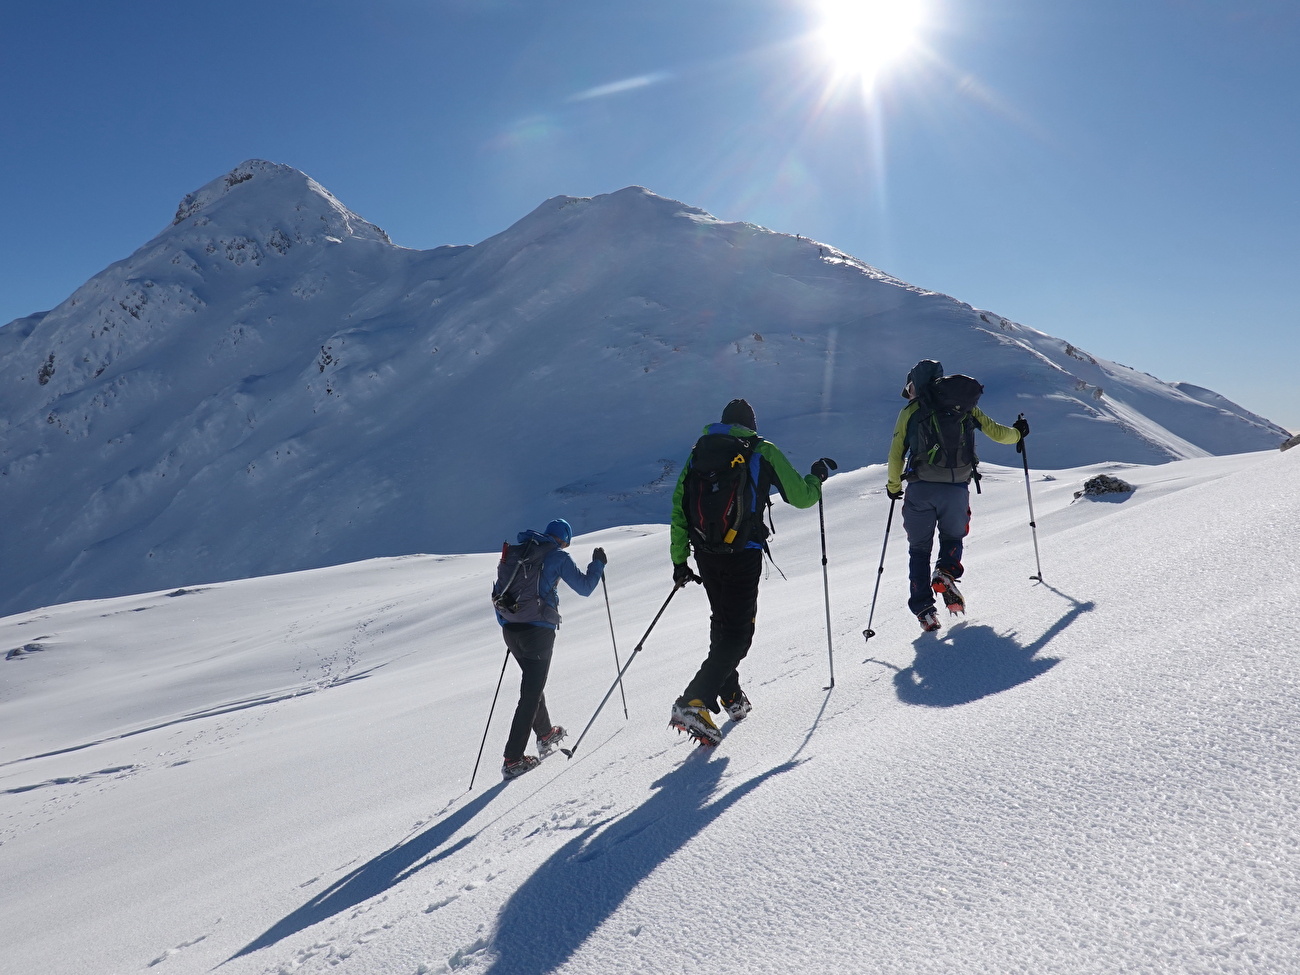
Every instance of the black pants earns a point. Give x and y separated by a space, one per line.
531 646
731 582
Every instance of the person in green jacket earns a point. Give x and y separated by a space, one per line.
938 496
731 577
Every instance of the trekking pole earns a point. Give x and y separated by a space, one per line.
569 751
489 720
617 666
1033 525
826 585
869 632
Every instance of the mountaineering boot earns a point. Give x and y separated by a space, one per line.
512 770
946 586
928 619
738 707
693 718
550 741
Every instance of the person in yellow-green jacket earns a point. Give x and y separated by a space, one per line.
722 492
933 450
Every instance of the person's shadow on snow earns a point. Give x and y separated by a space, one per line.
973 661
390 867
569 896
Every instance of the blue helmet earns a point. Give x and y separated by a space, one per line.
561 529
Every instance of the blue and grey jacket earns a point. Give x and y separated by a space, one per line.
556 566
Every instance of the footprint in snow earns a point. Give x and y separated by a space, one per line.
461 957
177 950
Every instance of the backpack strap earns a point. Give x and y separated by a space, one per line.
971 425
773 561
755 470
766 501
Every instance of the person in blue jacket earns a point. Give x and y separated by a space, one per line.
532 641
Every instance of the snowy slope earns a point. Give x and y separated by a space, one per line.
270 384
1091 775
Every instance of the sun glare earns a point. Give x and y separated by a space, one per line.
862 38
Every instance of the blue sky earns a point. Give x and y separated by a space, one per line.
1119 173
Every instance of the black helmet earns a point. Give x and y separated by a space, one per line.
922 374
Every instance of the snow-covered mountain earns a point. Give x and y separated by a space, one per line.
270 384
1088 776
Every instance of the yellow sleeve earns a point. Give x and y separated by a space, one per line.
898 449
993 430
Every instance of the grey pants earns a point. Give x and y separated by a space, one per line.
927 506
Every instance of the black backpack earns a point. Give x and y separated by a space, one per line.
517 594
720 495
942 440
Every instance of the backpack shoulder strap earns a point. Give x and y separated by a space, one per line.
505 548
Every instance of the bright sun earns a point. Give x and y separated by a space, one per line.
862 38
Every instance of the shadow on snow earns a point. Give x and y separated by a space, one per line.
973 661
384 871
576 890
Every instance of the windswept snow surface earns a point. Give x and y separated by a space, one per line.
1093 774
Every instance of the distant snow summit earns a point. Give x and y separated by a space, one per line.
271 384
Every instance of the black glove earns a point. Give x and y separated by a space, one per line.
682 574
599 556
1021 425
819 468
894 495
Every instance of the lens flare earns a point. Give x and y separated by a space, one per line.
863 38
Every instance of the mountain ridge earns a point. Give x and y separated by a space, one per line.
271 384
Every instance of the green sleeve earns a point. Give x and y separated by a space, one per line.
800 490
993 430
679 541
898 449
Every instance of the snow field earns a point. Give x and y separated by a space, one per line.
1089 775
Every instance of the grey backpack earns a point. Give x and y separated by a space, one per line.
517 595
942 440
